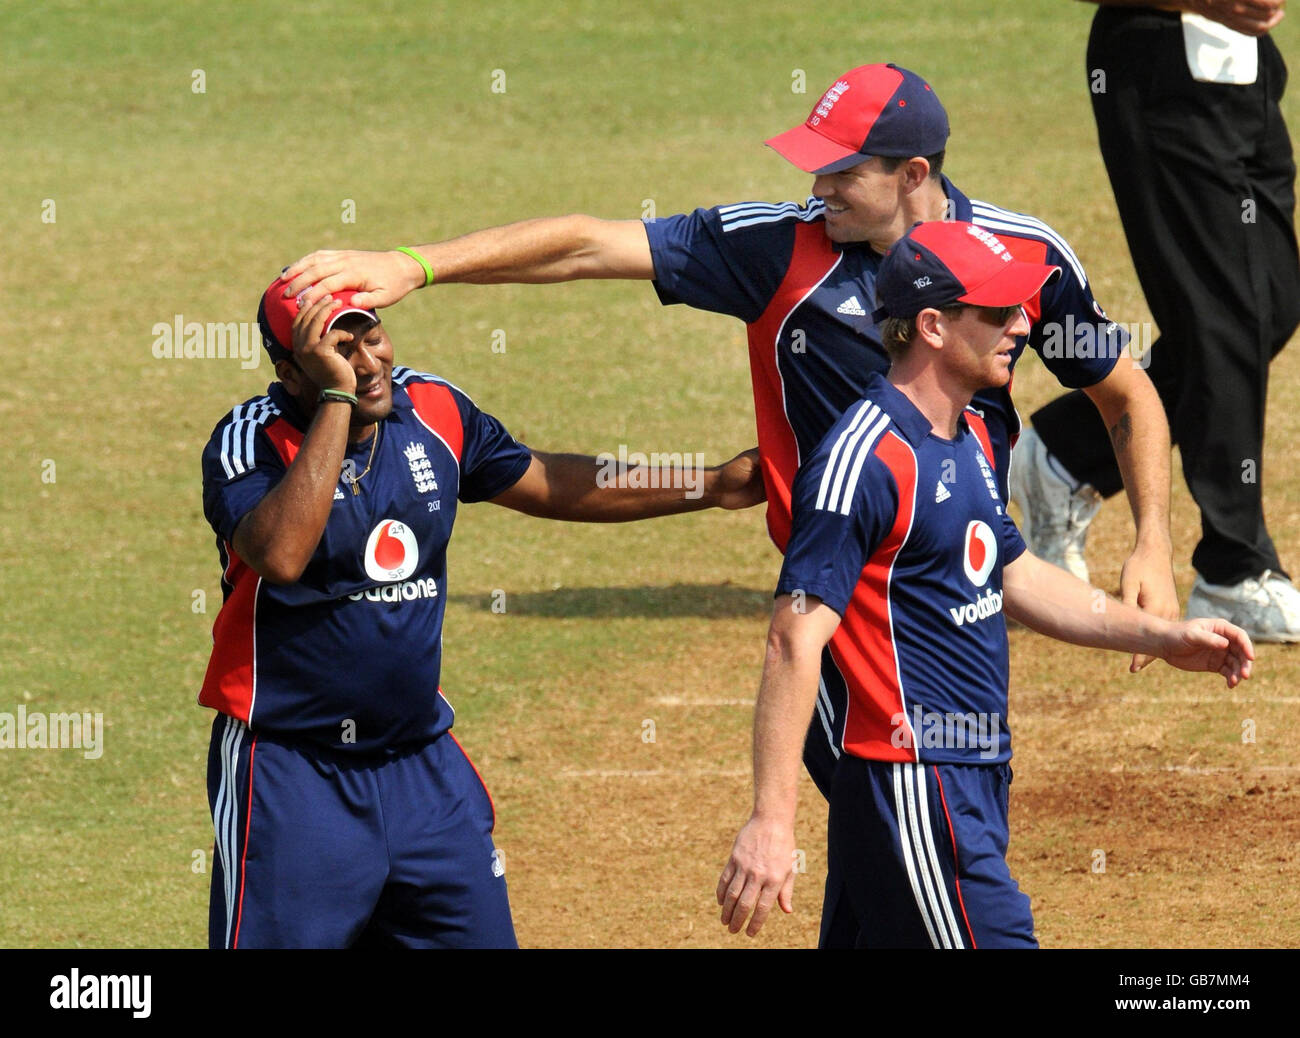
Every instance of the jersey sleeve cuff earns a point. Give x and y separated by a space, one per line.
654 232
813 589
512 476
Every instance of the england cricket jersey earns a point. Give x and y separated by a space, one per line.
349 655
812 344
904 534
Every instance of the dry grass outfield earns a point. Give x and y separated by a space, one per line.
175 202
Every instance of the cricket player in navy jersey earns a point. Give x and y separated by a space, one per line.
802 277
345 812
901 561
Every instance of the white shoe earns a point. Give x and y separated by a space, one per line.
1055 517
1266 607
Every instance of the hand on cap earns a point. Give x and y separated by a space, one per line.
382 278
318 355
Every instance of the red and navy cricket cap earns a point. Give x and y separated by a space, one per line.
870 110
943 262
275 316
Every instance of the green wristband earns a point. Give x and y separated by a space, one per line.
428 270
326 395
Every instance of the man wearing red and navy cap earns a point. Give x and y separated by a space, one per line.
802 277
345 812
900 564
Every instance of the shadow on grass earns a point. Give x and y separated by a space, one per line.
713 601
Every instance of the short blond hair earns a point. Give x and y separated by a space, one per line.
896 335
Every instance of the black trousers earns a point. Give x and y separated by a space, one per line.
1204 180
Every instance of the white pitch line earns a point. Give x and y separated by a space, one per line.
687 701
1217 769
1209 700
1244 770
657 773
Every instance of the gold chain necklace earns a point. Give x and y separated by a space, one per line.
353 481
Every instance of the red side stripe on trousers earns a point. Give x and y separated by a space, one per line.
243 858
956 868
491 802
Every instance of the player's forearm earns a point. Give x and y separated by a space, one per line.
1139 433
760 869
580 488
1047 599
786 698
560 248
787 694
277 538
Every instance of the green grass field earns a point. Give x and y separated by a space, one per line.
132 197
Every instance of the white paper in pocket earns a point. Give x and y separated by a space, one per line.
1217 54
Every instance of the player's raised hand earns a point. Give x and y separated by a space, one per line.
740 481
318 354
382 277
1210 645
1147 582
759 873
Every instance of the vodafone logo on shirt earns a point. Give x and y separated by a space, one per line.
391 551
979 553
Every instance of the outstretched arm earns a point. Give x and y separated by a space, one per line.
600 490
1053 602
560 248
761 868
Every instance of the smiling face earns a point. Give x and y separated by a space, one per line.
868 203
371 355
